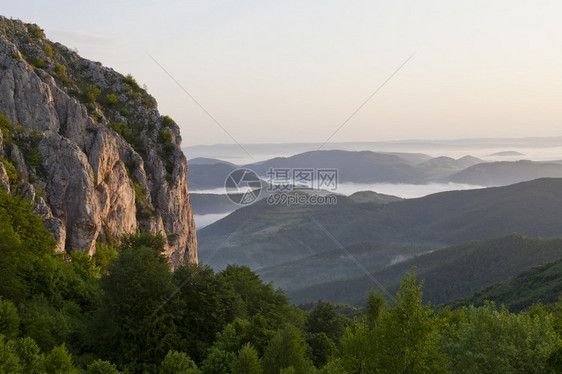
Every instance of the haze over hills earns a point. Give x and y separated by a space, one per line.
359 167
208 175
286 245
535 148
354 167
263 234
440 168
366 167
206 203
448 273
338 264
505 172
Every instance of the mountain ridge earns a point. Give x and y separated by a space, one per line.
268 234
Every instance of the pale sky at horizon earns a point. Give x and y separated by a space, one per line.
293 71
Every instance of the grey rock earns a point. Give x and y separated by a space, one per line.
90 175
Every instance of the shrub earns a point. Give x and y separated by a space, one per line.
6 127
167 121
111 99
36 31
38 62
60 70
165 137
11 171
33 157
139 193
128 79
133 139
48 50
91 93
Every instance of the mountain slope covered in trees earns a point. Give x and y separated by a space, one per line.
124 310
539 284
448 273
264 234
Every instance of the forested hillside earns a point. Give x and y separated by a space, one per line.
267 235
448 273
124 310
540 284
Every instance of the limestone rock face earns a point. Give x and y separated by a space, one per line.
89 148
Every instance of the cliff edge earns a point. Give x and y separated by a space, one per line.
89 148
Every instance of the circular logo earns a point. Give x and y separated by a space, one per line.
243 186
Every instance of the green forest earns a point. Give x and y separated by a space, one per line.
124 311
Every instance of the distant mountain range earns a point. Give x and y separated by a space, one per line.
312 251
237 153
368 167
504 172
267 235
507 154
355 167
208 175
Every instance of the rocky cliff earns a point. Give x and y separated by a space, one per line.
88 147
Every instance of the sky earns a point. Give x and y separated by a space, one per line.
296 71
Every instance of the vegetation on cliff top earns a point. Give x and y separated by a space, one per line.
112 100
